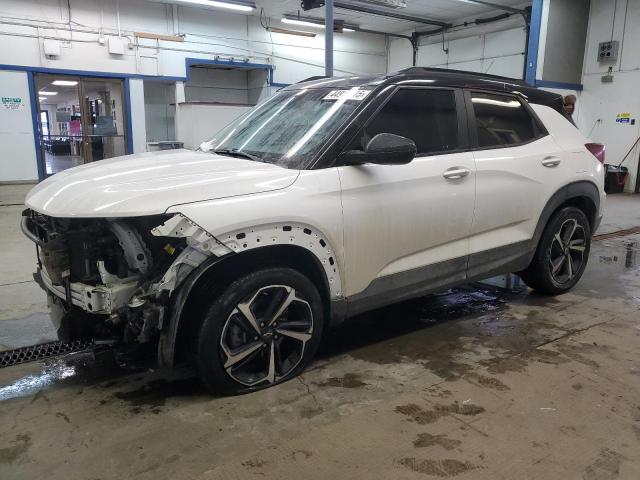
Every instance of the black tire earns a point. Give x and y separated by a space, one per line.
560 258
225 330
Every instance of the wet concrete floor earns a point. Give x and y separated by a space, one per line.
476 383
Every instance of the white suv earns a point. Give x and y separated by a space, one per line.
334 197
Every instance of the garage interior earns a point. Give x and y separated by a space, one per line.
485 381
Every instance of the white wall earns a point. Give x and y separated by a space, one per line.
160 110
496 48
202 122
138 121
17 161
208 34
605 100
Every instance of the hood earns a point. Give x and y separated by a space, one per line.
149 183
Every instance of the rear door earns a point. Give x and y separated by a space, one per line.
518 167
406 227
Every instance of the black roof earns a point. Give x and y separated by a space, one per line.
440 77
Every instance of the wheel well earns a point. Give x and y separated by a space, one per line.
230 268
585 204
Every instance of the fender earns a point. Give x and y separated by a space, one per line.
244 240
293 233
575 190
572 190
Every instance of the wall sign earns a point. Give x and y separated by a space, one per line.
12 103
625 118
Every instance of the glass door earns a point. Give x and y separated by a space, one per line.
102 116
81 120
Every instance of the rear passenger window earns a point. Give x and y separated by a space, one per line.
502 120
428 117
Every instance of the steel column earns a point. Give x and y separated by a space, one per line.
328 38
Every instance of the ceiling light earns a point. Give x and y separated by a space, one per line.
349 30
290 32
214 3
42 92
305 23
42 99
65 83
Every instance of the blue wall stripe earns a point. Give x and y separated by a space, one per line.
35 122
127 92
534 41
188 63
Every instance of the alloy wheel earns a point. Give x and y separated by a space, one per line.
566 254
264 337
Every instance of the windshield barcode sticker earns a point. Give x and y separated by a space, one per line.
353 94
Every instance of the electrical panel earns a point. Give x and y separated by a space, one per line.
116 46
51 48
608 51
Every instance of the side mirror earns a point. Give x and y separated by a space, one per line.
383 149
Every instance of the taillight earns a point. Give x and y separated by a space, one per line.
597 150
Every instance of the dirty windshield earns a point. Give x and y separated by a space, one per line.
287 129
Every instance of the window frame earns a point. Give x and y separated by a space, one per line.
539 127
461 116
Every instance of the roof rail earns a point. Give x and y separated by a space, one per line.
310 79
461 72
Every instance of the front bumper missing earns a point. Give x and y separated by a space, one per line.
99 299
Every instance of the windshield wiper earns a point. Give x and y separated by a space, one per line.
233 152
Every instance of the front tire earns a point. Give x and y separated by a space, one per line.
562 253
260 331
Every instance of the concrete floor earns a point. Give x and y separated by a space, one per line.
474 383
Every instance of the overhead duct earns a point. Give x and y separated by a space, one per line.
396 4
383 13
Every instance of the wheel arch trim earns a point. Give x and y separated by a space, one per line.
289 233
575 190
254 238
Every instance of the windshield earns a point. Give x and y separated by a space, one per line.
287 129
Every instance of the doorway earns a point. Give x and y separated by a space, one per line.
81 120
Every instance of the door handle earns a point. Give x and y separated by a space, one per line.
455 173
550 161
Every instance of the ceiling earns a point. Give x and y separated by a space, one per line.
449 11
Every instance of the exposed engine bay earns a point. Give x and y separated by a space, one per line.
111 279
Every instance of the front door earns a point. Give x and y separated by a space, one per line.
406 227
81 120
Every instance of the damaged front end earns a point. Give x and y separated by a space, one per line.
113 280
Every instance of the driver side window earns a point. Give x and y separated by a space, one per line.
426 116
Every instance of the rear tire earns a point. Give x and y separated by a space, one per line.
262 330
562 253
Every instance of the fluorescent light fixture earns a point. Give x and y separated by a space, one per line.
316 23
65 83
214 3
43 92
291 32
304 23
42 99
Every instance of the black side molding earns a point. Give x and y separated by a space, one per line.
572 190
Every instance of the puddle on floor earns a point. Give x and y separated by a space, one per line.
448 333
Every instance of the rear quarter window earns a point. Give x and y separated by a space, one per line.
502 120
